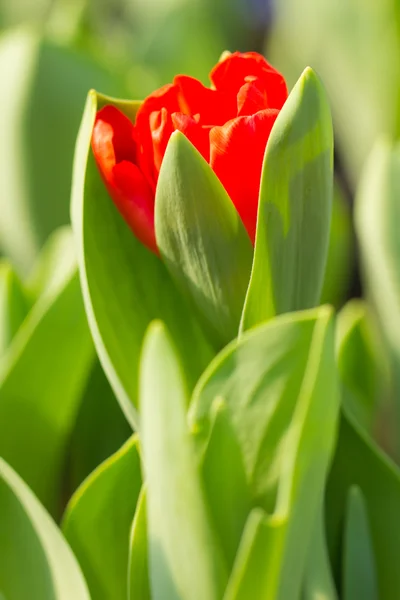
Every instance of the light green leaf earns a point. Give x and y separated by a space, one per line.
124 285
359 572
138 571
14 305
359 462
202 239
279 386
36 561
39 116
41 382
184 557
294 210
98 520
225 484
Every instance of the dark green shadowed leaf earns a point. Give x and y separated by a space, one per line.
294 208
358 462
124 285
359 363
202 239
36 561
185 560
279 386
359 570
98 520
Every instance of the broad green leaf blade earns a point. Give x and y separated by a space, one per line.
124 285
359 462
36 561
41 382
359 572
185 560
359 365
202 239
138 570
14 305
318 579
280 389
98 520
294 210
225 483
39 117
376 216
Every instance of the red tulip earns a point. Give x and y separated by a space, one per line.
228 123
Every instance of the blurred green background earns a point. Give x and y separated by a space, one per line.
51 54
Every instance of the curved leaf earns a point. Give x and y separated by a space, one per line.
201 238
280 390
36 561
294 210
185 560
41 381
124 285
98 520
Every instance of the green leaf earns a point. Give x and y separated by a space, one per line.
39 117
341 260
376 216
202 239
359 572
358 363
184 556
294 208
36 561
98 520
14 305
279 386
124 285
359 462
225 484
41 382
318 579
100 428
138 571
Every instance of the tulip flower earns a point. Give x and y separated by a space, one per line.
229 124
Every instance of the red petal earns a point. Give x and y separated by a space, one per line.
161 128
214 107
112 139
251 98
114 151
134 199
165 97
236 155
230 74
198 135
